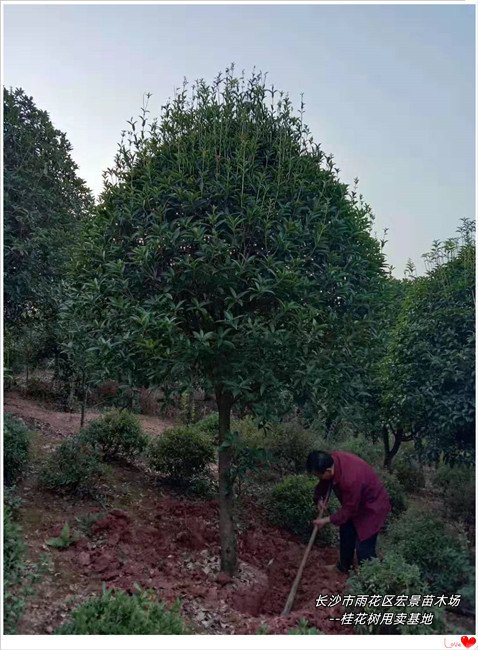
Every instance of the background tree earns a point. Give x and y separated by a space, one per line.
226 253
44 203
428 373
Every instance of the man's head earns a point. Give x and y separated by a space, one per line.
320 464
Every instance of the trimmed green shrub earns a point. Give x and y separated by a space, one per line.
210 426
395 491
460 502
370 452
290 505
440 552
181 454
116 612
40 389
329 534
16 445
13 551
117 435
74 467
290 444
203 486
302 627
286 445
392 575
408 471
458 491
250 434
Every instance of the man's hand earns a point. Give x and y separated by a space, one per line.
321 522
321 503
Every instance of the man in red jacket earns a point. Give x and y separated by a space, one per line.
363 497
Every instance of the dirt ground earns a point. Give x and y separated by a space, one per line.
63 424
140 533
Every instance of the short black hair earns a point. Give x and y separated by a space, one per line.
318 462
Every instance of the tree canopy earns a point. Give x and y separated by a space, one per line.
429 389
225 251
44 203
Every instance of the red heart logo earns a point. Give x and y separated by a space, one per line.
468 641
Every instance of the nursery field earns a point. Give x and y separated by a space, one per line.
189 352
136 531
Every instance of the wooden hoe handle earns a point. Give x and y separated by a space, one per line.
293 591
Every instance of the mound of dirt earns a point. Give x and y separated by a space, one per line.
167 543
177 553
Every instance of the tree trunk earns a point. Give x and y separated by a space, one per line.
227 531
83 401
71 396
190 414
390 453
56 367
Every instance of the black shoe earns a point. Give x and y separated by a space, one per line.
341 569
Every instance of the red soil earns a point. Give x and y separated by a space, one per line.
163 542
61 423
163 554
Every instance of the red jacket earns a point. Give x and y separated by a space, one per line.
362 494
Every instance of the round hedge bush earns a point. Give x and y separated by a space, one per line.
423 538
396 492
116 612
290 505
391 575
210 426
181 453
408 471
290 444
74 467
117 435
458 491
16 446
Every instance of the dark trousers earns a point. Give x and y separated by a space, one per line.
349 543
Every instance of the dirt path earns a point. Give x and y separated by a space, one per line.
62 424
139 533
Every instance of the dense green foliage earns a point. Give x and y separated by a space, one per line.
429 374
44 203
364 447
13 551
438 549
256 216
16 444
117 435
458 491
116 612
408 471
290 504
74 467
290 444
209 425
392 575
396 493
286 445
181 453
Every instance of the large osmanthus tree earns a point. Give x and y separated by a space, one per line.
428 372
44 203
226 252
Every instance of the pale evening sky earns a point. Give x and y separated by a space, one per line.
389 90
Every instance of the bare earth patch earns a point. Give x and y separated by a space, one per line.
64 424
140 534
